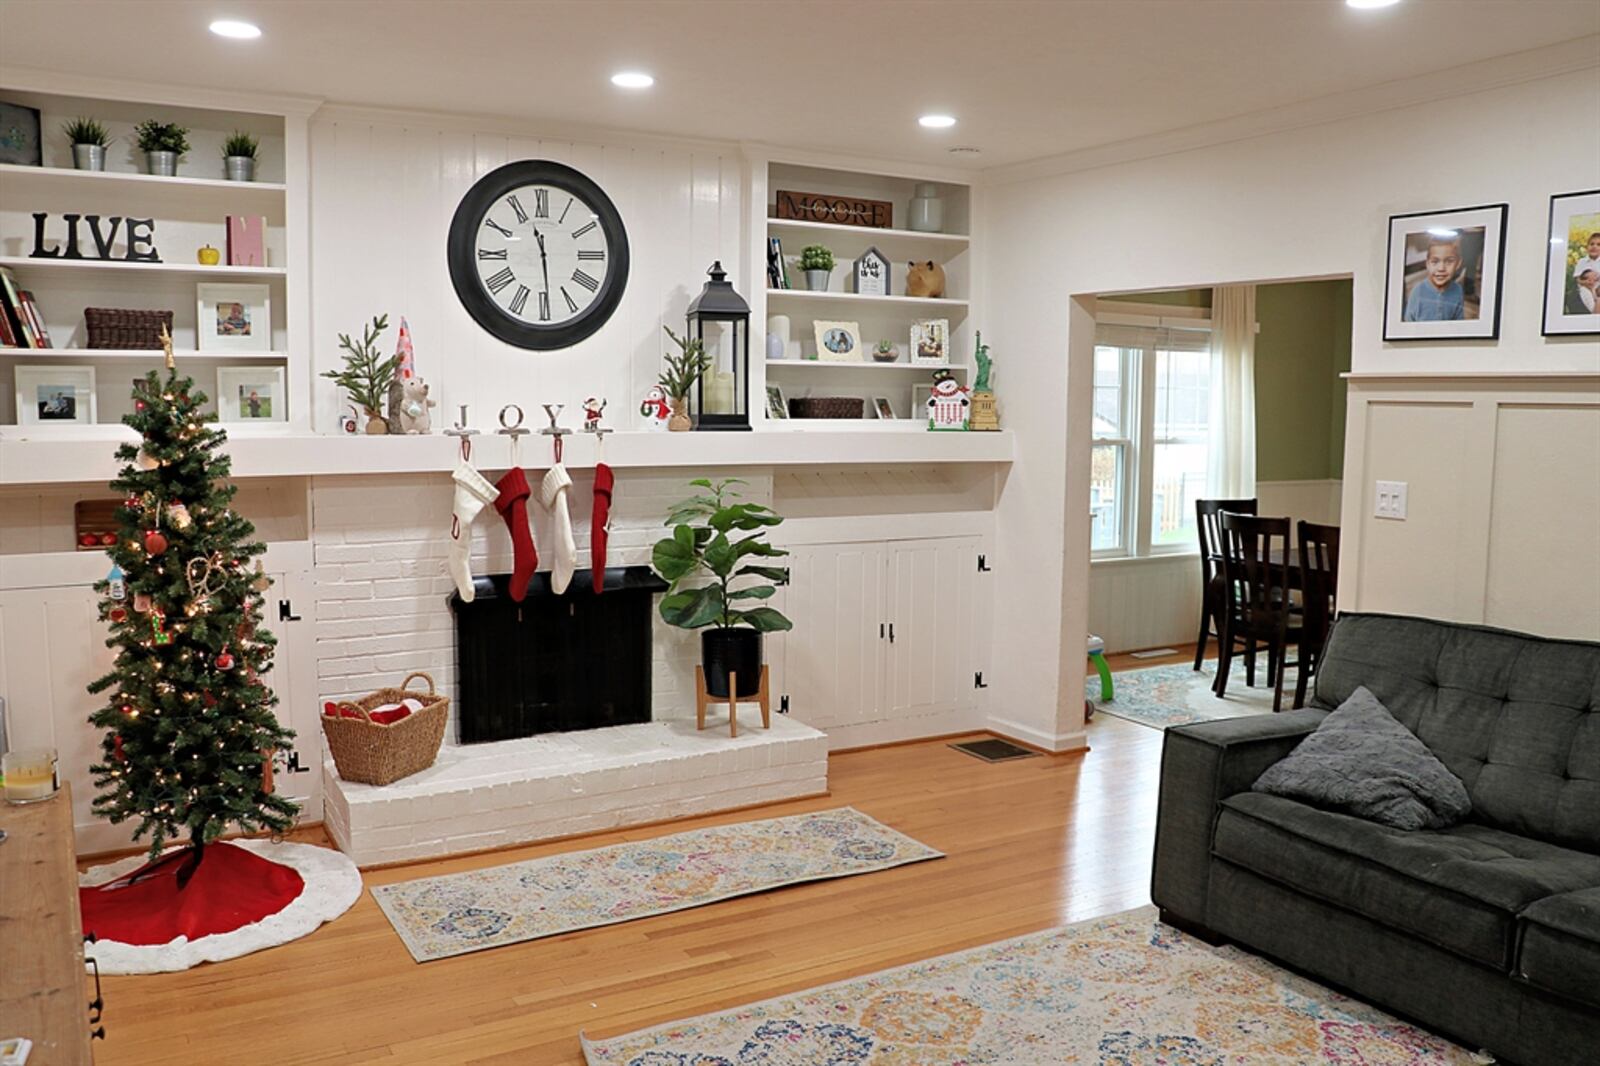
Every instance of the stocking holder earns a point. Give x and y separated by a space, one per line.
464 434
512 429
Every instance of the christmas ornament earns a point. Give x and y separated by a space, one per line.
261 582
118 614
147 461
158 627
155 542
107 539
178 515
116 583
88 540
116 753
200 572
141 602
224 659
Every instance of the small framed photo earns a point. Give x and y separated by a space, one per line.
1572 272
838 342
251 394
777 406
20 144
920 397
882 408
930 342
1445 269
233 318
55 396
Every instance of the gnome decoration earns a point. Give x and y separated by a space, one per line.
592 410
402 374
950 405
655 409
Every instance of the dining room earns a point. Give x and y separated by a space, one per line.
1219 424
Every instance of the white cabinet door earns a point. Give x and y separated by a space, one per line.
831 666
931 658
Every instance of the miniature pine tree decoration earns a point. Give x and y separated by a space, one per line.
188 723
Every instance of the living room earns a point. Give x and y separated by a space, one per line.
563 656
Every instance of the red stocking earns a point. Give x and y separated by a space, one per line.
512 503
600 530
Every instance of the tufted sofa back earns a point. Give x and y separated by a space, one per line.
1516 717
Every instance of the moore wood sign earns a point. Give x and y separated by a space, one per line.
843 210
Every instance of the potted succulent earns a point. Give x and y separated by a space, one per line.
239 157
367 375
885 352
89 139
162 143
817 262
717 537
680 375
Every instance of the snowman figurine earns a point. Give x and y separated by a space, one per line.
655 409
949 405
592 409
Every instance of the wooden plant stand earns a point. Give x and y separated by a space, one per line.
702 699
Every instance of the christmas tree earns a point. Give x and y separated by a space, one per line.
189 732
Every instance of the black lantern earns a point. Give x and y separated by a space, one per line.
720 319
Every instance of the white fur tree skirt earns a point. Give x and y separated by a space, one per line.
332 886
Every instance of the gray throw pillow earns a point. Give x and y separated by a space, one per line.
1362 761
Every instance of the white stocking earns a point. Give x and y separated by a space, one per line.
553 494
474 492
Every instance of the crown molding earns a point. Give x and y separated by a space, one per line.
1568 57
69 83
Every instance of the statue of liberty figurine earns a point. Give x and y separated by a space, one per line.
984 364
985 412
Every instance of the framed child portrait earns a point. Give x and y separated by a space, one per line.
55 395
233 318
1572 269
1444 274
838 342
930 342
251 394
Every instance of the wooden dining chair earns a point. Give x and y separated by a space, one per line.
1258 611
1213 604
1319 586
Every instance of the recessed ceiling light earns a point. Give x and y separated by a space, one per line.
936 122
1370 5
632 79
242 31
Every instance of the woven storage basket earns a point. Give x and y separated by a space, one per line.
827 407
374 754
114 327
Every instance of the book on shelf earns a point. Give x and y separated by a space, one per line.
35 318
777 269
15 314
247 240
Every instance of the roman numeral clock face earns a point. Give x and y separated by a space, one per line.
538 255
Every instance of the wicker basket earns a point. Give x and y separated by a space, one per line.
827 407
115 327
374 754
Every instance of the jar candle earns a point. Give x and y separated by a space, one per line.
30 774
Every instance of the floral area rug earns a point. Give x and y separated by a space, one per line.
1122 990
456 913
1162 696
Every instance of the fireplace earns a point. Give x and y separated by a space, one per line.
554 664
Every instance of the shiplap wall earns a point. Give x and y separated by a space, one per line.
383 191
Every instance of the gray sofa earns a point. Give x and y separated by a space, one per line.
1487 932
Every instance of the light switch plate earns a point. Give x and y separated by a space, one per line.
1390 500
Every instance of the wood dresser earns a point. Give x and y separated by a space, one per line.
43 993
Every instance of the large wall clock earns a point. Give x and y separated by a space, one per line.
538 254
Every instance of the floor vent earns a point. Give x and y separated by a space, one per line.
994 750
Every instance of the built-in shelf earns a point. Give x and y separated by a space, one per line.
134 354
818 364
866 233
805 295
15 176
25 262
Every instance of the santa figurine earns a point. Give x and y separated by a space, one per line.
655 408
949 405
592 409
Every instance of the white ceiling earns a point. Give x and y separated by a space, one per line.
1026 79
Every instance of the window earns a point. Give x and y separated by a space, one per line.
1151 434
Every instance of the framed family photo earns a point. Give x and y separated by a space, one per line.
233 318
1444 274
251 394
930 342
838 342
777 406
55 395
1572 270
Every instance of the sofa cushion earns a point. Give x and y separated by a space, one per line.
1459 888
1560 949
1515 717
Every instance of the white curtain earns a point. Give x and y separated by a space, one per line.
1231 467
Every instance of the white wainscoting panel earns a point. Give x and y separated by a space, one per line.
1145 603
1309 501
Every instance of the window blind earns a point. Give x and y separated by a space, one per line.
1162 338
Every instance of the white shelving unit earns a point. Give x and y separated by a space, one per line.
188 211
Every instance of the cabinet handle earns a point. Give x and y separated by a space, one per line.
880 630
891 632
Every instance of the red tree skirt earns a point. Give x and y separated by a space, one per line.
230 889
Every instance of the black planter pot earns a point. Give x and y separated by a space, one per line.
725 651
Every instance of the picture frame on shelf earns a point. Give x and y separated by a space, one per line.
930 342
233 318
1444 274
920 395
20 144
777 406
251 394
1572 266
838 342
882 408
871 272
55 395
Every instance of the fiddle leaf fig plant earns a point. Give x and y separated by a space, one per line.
715 535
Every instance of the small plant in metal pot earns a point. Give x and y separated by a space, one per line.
163 144
716 535
817 262
239 156
89 138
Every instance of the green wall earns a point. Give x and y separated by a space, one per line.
1169 298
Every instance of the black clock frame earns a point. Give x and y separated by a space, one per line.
462 254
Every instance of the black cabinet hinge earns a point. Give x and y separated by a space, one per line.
292 766
286 612
983 565
978 681
783 705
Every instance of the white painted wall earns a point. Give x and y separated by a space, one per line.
1306 202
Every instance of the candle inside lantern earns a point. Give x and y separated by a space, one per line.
30 775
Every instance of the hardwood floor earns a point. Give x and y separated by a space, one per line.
1030 844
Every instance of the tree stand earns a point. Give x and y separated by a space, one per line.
702 699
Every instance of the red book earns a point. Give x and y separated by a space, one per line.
247 240
13 309
30 307
8 337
